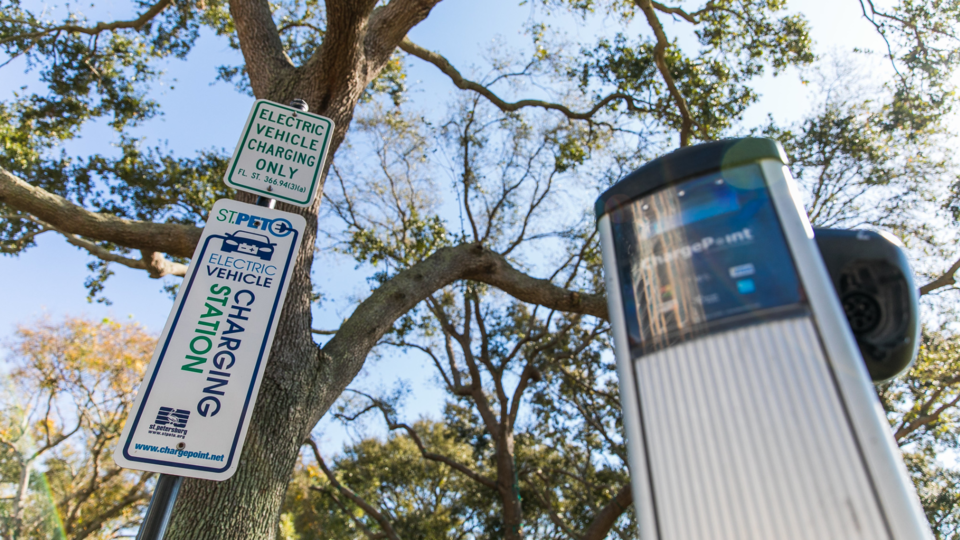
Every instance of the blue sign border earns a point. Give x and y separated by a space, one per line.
163 353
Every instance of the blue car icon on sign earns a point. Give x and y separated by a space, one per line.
249 243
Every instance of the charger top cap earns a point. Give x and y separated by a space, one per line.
685 163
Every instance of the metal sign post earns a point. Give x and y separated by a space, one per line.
154 524
194 406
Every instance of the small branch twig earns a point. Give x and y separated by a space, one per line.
945 280
444 65
609 514
660 57
674 11
554 516
392 426
136 24
924 419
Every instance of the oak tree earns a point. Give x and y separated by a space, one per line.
637 90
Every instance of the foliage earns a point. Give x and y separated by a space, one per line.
70 387
423 499
529 442
562 457
738 41
567 435
88 78
922 409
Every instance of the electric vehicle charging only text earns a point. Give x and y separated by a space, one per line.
745 360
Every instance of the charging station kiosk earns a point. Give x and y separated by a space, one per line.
748 408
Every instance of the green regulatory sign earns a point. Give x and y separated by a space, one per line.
281 153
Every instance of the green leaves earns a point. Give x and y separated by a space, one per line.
154 186
922 409
423 499
98 72
857 169
923 46
738 40
749 35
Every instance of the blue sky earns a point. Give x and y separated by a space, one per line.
48 279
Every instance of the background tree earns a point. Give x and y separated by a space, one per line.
409 497
70 387
636 91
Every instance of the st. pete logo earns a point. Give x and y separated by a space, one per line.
278 227
170 422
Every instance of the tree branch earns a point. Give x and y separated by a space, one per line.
299 24
496 271
381 520
554 516
924 418
883 34
67 217
390 23
16 245
263 54
154 263
674 11
608 516
343 356
136 24
134 495
356 520
659 56
449 462
444 65
393 425
945 280
158 266
436 361
323 332
529 373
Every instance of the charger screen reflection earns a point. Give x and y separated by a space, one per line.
701 253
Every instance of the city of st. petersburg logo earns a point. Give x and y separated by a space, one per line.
170 422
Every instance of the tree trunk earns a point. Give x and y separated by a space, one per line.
19 502
509 489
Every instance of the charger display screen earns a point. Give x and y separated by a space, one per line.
701 255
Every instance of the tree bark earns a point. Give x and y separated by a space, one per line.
509 488
20 499
248 505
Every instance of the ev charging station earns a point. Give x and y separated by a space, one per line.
745 349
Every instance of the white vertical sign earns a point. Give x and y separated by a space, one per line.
195 403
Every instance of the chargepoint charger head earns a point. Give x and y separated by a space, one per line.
745 356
